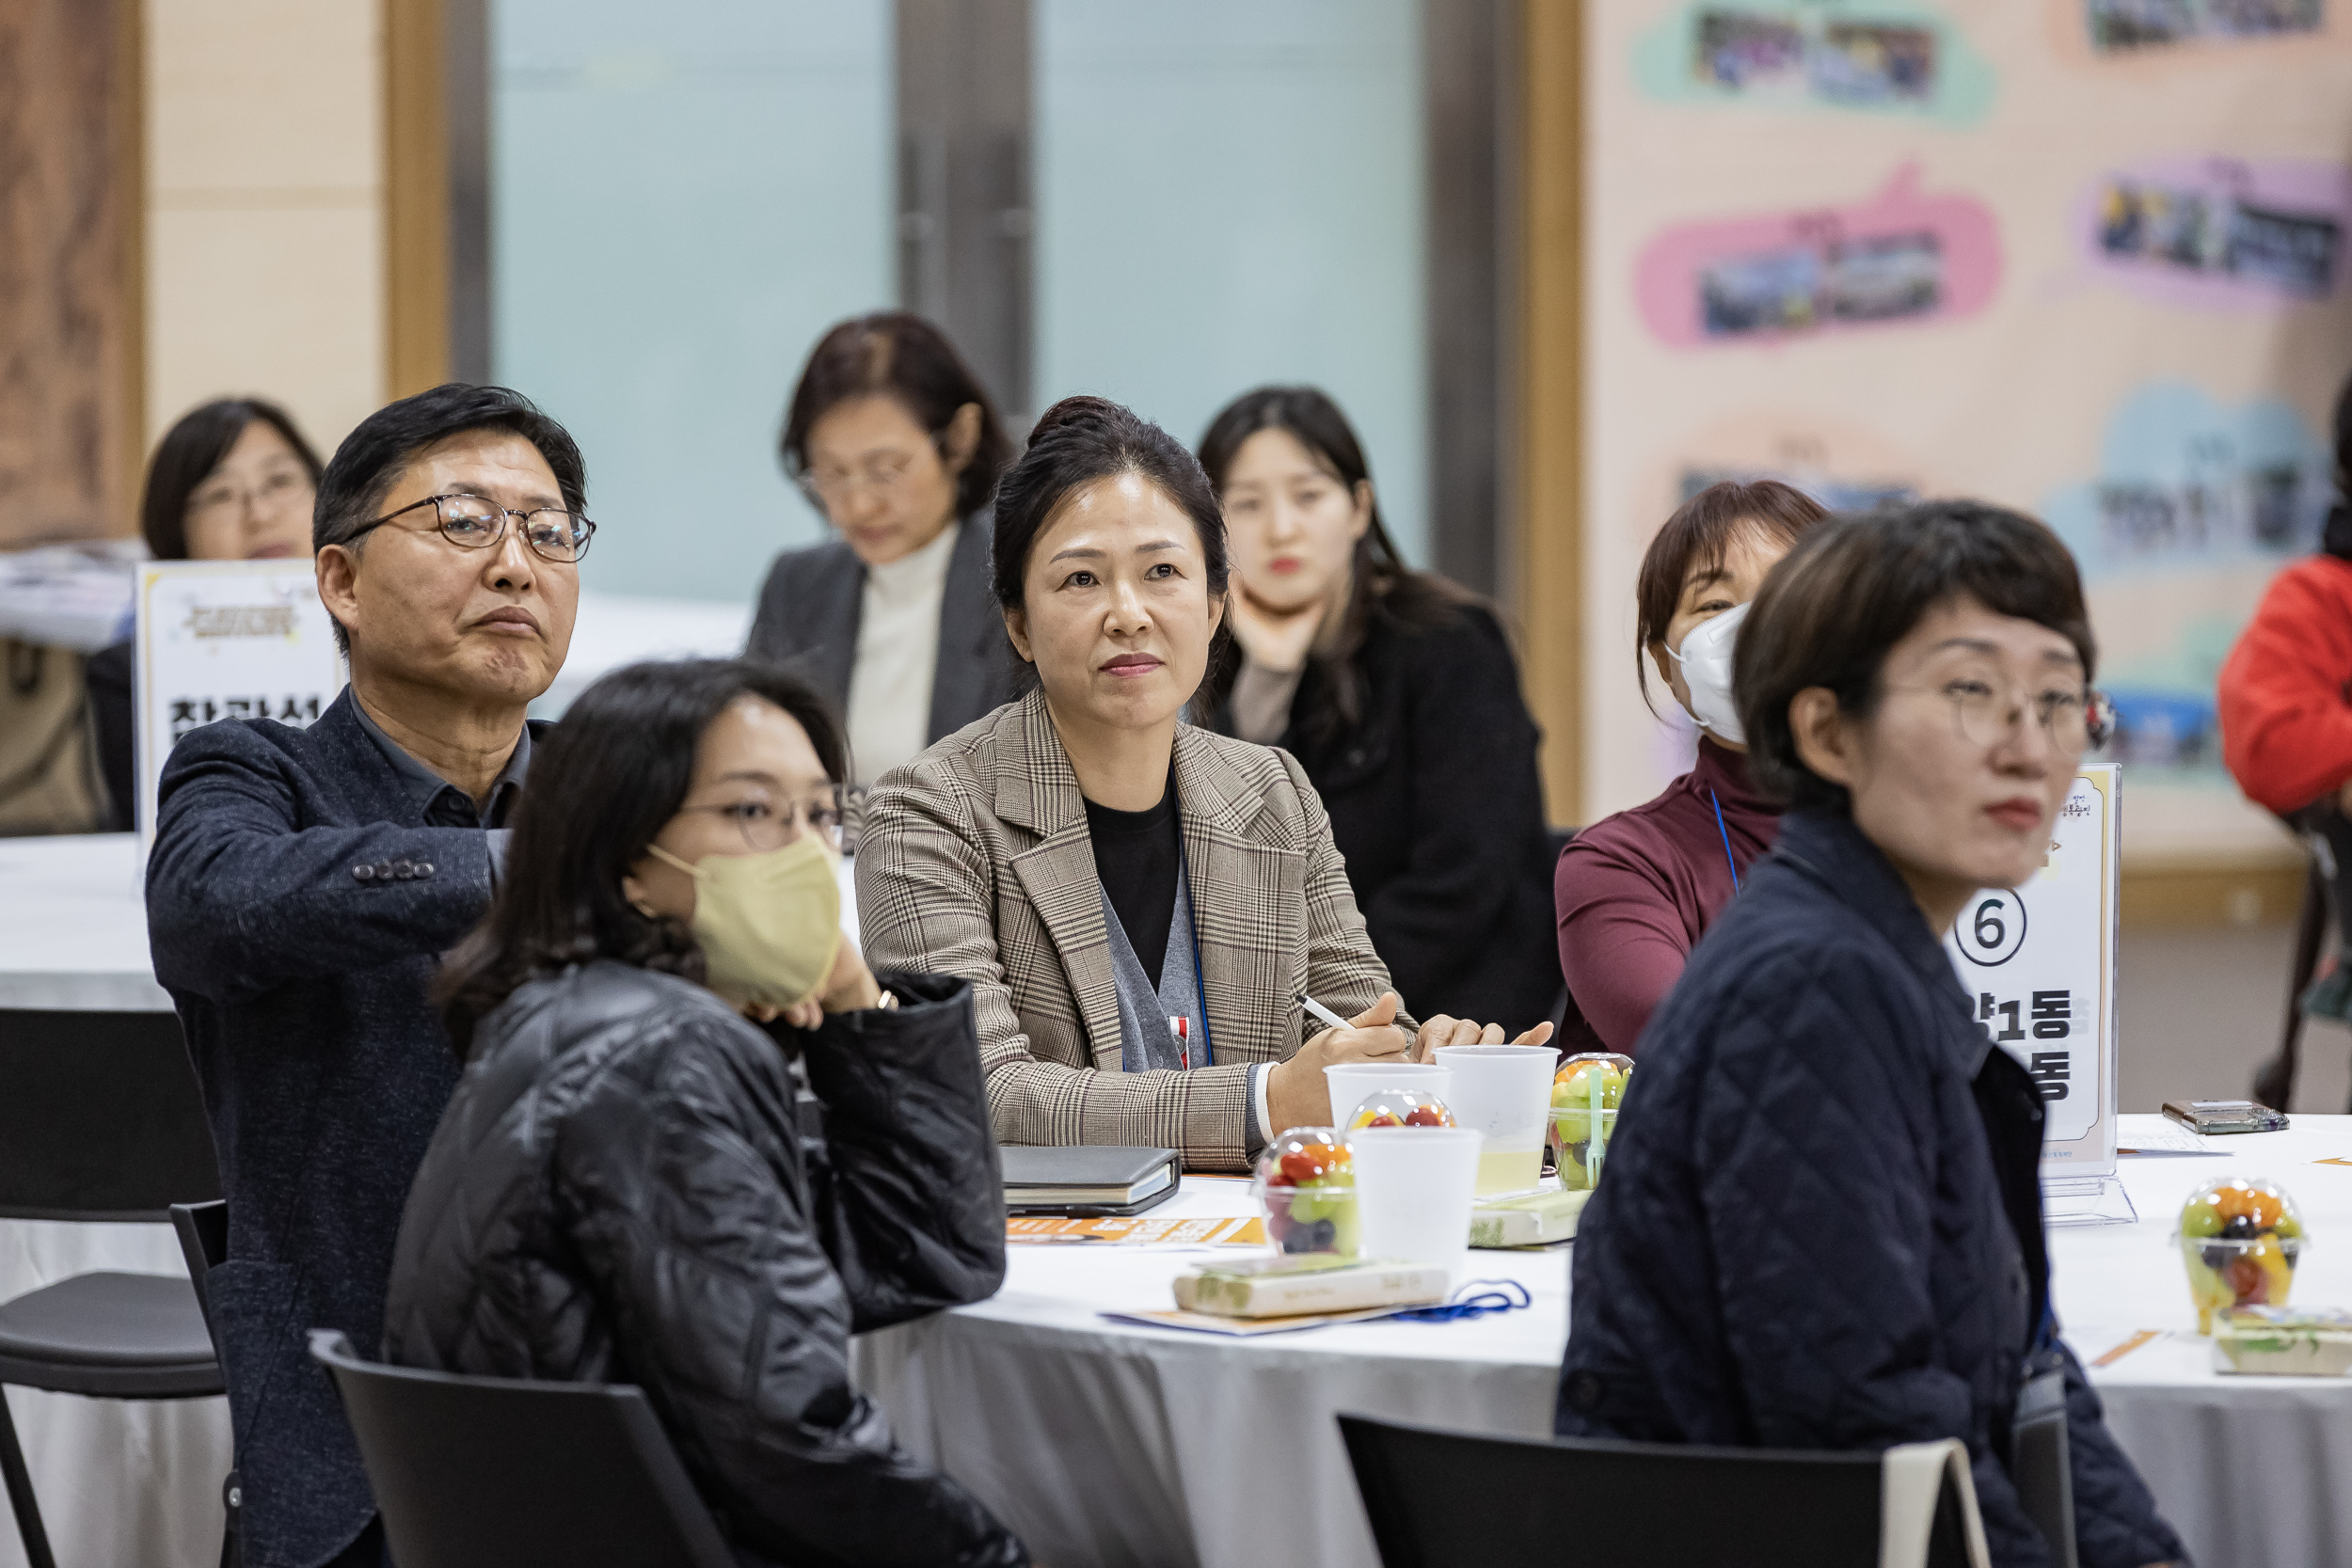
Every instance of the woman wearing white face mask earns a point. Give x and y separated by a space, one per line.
621 1188
1634 891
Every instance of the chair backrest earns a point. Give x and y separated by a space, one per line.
204 1231
1448 1499
99 1118
483 1472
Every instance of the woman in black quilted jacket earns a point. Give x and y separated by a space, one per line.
620 1190
1820 1222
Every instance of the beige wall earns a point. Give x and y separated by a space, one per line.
265 208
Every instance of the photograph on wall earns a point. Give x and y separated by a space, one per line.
2130 25
1891 56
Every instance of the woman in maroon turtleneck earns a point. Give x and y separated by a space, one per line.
1634 891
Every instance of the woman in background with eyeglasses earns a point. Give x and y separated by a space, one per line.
895 442
231 481
620 1188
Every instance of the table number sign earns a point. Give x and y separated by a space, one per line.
2038 962
226 640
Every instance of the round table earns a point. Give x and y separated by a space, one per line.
1112 1443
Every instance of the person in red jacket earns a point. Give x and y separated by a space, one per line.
2285 703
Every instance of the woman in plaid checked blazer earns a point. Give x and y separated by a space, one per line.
1050 852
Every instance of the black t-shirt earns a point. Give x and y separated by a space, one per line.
1135 854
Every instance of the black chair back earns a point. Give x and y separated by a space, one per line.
204 1231
1448 1499
99 1118
481 1472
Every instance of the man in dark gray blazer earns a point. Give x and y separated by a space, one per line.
304 882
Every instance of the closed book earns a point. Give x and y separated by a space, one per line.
1284 1286
1535 1220
1097 1178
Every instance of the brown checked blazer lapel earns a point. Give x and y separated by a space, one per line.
1036 789
1244 892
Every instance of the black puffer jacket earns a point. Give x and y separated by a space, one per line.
618 1193
1820 1222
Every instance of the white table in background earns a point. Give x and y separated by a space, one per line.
121 1482
1115 1444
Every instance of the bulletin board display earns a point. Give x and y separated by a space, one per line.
2082 258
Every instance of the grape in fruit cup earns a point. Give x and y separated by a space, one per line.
1585 1094
1306 1184
1401 1108
2239 1239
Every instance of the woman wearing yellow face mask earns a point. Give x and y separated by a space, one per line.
617 1190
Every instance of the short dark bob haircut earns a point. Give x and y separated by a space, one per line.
902 356
1857 586
373 457
1381 582
1695 538
602 784
1076 442
188 453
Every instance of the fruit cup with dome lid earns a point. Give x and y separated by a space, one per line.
1306 1184
1585 1094
2240 1236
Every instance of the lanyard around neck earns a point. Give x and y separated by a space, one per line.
1726 832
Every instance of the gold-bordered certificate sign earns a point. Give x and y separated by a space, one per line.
2039 963
226 640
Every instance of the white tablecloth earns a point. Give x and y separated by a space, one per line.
73 927
1112 1444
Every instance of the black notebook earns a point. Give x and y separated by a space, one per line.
1087 1179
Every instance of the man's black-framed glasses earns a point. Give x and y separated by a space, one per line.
478 523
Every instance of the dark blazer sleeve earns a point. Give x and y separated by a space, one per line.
1828 1175
737 1324
1477 803
915 1215
771 639
240 898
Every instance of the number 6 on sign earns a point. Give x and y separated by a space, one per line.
2042 984
1993 929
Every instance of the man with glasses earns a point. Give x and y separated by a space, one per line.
304 884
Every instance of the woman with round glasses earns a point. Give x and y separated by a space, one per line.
619 1191
895 441
232 480
1822 1223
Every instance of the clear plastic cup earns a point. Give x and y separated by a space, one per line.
1414 1188
2240 1239
1585 1094
1306 1186
1502 1091
1351 1082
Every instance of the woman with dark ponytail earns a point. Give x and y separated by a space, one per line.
1138 903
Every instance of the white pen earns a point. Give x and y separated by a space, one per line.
1326 1014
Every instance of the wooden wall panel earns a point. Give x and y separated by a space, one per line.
70 327
1550 413
416 197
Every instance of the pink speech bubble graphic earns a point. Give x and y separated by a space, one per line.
1900 258
2219 233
